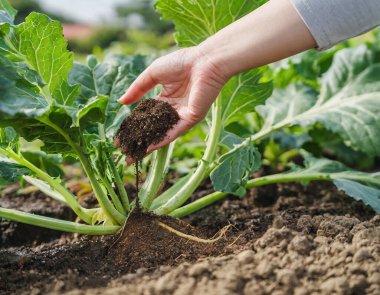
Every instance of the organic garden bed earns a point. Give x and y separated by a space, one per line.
235 218
284 239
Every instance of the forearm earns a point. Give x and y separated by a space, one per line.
270 33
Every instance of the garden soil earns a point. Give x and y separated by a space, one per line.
284 239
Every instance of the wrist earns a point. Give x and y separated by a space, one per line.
215 61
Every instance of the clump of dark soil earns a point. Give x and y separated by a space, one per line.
147 124
144 243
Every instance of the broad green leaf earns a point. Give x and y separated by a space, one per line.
92 111
347 65
359 185
325 140
6 10
53 142
306 67
7 15
11 172
195 20
284 105
229 140
7 135
352 112
45 188
40 42
48 163
17 96
360 192
110 78
242 94
235 167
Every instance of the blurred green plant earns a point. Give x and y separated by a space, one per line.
151 21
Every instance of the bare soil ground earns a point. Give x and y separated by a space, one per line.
285 239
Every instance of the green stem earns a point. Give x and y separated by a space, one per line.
114 196
119 184
169 193
287 177
276 178
56 224
45 188
198 204
196 178
156 175
69 197
104 202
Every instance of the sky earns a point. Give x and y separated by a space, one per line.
84 11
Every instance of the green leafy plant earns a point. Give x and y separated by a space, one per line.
73 110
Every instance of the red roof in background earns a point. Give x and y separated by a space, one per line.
77 31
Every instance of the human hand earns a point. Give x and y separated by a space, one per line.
191 83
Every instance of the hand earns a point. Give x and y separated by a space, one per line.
190 83
192 77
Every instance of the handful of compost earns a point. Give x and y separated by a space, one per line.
147 124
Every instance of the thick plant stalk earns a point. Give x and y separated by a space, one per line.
57 224
69 197
157 173
114 196
276 178
166 196
45 188
119 184
202 170
104 202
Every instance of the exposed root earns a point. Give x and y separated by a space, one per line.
230 245
221 234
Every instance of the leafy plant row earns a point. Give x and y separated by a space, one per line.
73 110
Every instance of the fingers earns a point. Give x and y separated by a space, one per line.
116 142
140 86
130 160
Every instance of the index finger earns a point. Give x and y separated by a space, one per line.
139 87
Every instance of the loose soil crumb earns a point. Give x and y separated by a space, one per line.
312 240
147 124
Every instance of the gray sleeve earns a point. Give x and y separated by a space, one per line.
332 21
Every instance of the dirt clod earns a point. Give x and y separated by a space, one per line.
147 124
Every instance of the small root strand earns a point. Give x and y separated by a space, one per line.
220 235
